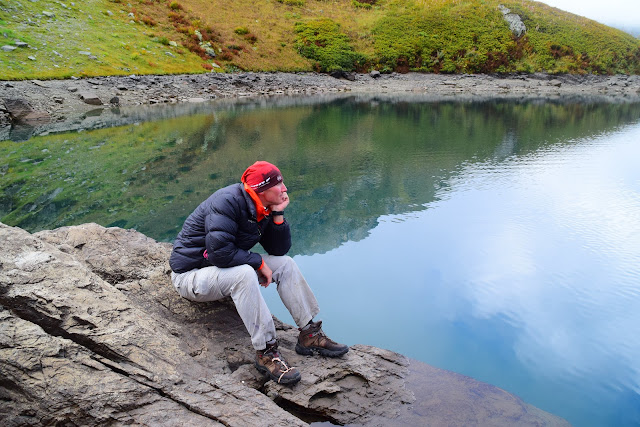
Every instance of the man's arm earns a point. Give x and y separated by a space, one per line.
222 227
276 238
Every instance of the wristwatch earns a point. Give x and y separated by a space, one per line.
274 213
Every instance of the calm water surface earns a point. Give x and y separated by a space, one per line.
500 240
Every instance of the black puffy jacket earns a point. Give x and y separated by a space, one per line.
225 225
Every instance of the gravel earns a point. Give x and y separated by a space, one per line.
69 101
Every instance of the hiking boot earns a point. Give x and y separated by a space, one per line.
313 340
270 361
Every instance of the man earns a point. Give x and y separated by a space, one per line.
211 259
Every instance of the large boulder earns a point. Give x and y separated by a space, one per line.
516 25
92 333
20 110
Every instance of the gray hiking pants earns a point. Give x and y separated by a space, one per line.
241 283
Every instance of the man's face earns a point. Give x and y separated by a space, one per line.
275 195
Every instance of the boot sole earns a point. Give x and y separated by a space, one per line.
274 378
308 351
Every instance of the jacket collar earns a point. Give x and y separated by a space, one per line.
261 210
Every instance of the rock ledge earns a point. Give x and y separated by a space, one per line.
92 333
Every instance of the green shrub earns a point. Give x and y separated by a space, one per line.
452 37
562 43
241 31
361 5
292 2
323 41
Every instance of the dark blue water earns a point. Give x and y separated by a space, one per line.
497 239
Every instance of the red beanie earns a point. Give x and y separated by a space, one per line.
261 176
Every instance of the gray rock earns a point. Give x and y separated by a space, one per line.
90 98
210 52
72 89
92 333
17 107
341 74
115 100
375 74
49 14
21 111
8 48
21 44
516 25
84 52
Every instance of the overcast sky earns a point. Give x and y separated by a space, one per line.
618 13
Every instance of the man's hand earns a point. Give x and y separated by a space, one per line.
265 275
282 205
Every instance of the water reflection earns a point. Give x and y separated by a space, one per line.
495 239
523 272
347 161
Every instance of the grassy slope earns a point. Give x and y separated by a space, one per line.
100 27
136 36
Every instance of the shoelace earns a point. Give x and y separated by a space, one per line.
283 363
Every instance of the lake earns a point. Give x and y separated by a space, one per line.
497 239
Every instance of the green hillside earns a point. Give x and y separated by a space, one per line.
56 39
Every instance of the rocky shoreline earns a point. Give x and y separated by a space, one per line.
35 101
92 333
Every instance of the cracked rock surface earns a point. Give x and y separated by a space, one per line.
92 333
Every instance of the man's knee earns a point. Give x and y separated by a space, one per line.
246 277
285 262
288 260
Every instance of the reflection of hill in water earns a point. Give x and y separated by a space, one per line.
346 160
